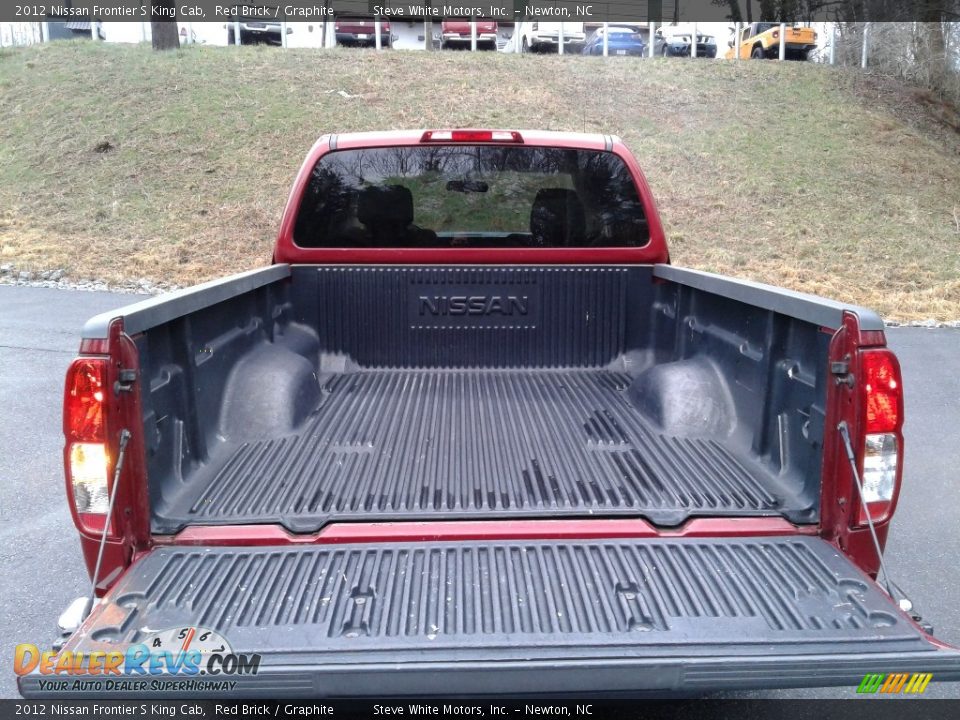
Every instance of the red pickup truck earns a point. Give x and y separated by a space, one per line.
472 433
356 32
460 33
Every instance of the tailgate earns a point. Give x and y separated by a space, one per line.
801 35
514 617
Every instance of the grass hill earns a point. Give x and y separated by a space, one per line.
117 162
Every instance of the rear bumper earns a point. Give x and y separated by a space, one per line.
346 38
553 677
612 50
554 40
458 38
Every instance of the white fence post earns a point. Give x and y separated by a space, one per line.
44 32
833 43
736 41
236 32
866 42
376 30
473 34
606 39
783 41
693 42
283 32
652 47
93 30
560 39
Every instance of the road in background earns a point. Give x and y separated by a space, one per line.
40 555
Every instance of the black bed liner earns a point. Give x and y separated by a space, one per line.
426 444
510 616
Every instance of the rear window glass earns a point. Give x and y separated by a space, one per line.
470 196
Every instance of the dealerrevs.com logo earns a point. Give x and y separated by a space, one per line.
189 659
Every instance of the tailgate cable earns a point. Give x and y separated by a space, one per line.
903 602
124 439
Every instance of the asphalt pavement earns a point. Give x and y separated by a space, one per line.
42 570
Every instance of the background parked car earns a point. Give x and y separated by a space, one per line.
621 40
252 32
358 32
456 34
676 41
545 36
762 41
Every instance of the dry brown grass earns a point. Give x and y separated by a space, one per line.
119 163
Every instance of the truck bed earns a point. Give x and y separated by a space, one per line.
302 395
429 444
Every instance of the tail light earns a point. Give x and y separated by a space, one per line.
87 456
336 26
882 402
471 136
776 34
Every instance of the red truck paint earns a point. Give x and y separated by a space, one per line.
482 530
462 27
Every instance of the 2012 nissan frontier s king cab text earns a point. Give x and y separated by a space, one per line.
471 433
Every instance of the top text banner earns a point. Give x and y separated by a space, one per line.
660 11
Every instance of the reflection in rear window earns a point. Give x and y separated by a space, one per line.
470 196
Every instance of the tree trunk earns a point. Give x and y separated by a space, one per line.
932 14
428 34
164 30
735 14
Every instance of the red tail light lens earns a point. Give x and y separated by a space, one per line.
83 407
883 396
776 34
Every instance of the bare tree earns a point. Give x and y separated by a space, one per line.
734 7
932 14
164 29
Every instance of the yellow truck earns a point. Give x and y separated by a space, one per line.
762 41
